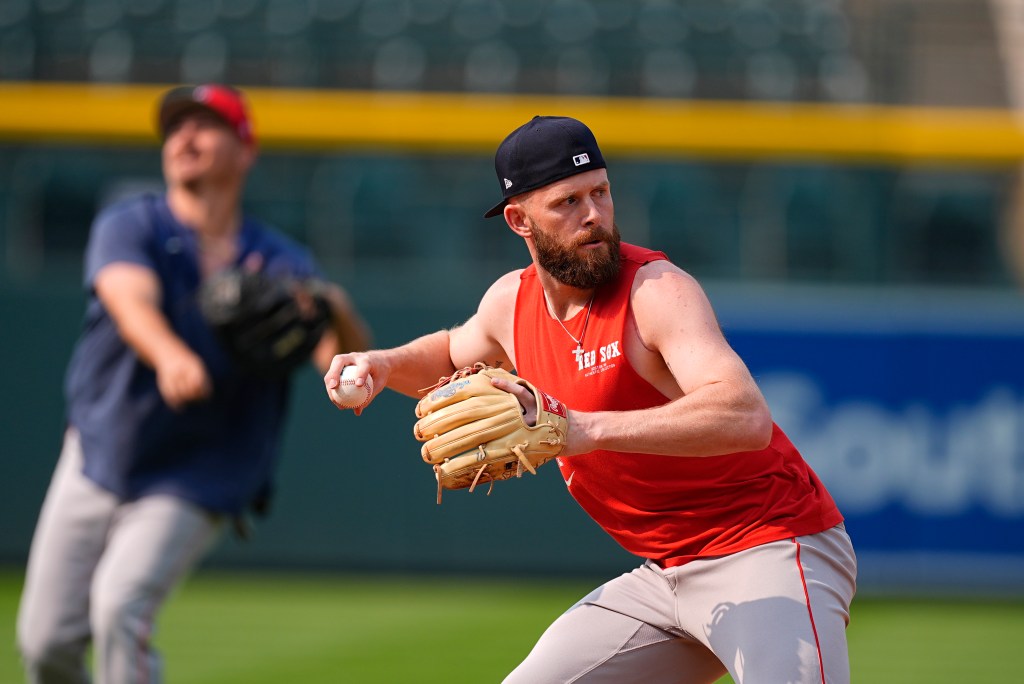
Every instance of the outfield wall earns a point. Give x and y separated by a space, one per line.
909 406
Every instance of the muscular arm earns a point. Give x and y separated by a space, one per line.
721 409
408 369
131 295
487 335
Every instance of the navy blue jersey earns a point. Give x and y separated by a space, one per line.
219 453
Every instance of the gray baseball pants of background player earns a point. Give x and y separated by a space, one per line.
98 571
773 614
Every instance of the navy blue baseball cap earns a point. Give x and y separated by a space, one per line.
541 151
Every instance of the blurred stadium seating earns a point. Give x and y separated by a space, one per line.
854 224
829 50
704 48
728 49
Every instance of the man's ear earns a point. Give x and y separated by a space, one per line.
515 217
249 154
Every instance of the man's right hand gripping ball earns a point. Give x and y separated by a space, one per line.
474 431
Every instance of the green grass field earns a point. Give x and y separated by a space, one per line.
262 629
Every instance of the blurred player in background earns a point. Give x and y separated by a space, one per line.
670 448
167 438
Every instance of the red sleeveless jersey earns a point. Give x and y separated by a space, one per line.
671 509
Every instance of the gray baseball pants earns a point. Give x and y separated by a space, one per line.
99 570
773 614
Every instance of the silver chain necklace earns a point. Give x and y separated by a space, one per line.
579 342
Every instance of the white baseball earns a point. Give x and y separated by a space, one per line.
348 394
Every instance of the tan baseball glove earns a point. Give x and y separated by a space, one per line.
472 430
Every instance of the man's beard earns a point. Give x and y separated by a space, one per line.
591 269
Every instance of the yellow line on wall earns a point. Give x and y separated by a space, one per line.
322 120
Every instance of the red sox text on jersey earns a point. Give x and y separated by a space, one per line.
589 359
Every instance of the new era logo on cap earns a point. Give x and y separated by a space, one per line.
541 151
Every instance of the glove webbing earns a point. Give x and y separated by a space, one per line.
516 449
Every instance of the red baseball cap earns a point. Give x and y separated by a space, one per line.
224 101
